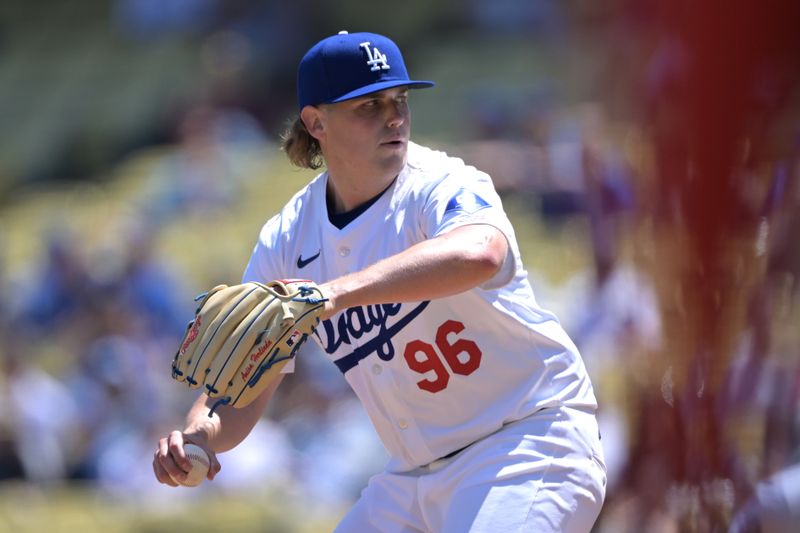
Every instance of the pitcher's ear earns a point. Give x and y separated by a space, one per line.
312 119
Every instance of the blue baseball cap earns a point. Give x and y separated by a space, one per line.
349 65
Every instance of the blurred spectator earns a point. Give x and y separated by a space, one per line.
132 319
11 466
57 292
782 206
146 19
516 167
10 463
115 390
542 18
206 168
329 431
40 415
151 288
347 449
775 506
248 468
616 319
762 393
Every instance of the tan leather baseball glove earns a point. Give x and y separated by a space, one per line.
243 335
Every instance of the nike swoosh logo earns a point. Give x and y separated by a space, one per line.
303 262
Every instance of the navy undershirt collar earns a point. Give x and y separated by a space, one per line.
340 220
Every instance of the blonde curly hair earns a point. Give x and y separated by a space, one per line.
300 147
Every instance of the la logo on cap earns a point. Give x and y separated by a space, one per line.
377 60
333 69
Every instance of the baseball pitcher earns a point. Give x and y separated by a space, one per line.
400 262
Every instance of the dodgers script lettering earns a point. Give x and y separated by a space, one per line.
357 322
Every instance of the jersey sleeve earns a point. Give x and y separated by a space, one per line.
263 265
467 197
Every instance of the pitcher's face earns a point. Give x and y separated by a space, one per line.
367 135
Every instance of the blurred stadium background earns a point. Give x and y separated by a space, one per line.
646 151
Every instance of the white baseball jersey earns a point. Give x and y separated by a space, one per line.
438 375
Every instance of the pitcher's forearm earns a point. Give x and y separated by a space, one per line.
452 263
227 426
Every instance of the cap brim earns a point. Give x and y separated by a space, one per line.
380 86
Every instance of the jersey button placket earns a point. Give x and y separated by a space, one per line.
406 429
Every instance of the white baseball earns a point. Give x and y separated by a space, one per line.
200 465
